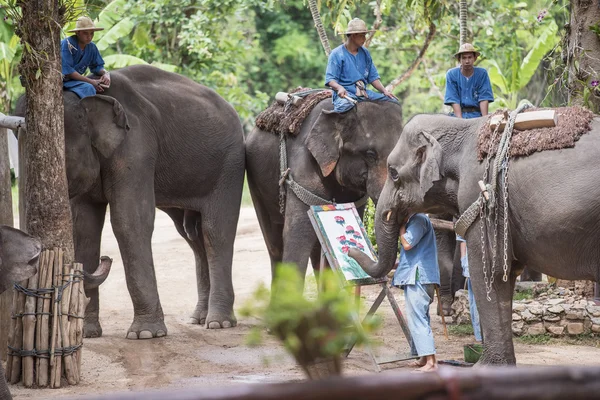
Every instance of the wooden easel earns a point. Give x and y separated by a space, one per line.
385 292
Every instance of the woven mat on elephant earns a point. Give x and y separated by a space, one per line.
572 122
278 120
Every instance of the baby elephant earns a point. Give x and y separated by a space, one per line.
19 255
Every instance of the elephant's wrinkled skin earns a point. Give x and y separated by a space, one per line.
156 139
19 255
336 156
554 211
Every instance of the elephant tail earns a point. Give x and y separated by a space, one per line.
190 222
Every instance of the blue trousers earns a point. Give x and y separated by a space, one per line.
80 88
341 105
418 299
473 311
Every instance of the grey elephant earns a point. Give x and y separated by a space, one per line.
338 157
553 215
19 255
156 139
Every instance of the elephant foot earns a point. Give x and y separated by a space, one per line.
490 358
219 321
146 329
92 329
198 317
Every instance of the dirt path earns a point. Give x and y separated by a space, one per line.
193 356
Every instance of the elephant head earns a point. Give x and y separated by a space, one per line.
94 128
414 166
353 147
19 256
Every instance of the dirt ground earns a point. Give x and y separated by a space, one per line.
194 356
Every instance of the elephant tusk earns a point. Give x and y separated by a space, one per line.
389 214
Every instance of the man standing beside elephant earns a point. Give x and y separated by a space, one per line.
468 88
350 69
417 274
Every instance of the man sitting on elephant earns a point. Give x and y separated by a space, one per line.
79 53
468 88
350 69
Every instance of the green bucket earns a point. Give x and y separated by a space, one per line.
473 352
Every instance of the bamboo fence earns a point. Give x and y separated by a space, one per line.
45 335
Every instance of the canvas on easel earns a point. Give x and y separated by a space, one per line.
339 228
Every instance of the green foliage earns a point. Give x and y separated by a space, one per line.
534 339
369 222
461 330
525 294
311 329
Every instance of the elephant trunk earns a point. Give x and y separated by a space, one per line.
92 281
387 230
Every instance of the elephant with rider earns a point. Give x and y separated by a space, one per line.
552 216
155 139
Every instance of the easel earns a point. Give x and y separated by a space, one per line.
326 256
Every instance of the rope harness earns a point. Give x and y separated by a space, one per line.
285 178
486 207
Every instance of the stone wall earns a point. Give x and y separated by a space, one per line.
557 311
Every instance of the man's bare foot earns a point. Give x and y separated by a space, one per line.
427 367
420 362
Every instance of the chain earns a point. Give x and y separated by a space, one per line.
483 212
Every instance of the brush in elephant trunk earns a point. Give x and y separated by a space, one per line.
29 331
44 343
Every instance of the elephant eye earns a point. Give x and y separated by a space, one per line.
394 174
371 156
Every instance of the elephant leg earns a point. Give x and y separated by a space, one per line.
132 218
216 250
88 221
272 231
445 245
299 239
495 315
197 245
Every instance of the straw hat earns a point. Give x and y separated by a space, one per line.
85 24
466 48
357 25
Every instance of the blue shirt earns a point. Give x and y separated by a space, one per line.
347 69
76 60
468 92
464 260
422 257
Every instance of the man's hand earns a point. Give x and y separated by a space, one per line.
389 94
96 84
342 92
105 79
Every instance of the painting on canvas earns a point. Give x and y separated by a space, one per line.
339 229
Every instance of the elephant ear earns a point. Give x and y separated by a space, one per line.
107 123
324 141
429 155
19 256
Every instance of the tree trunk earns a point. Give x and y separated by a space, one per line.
583 54
48 213
6 218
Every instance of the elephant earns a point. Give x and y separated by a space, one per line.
339 157
155 139
552 218
19 259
